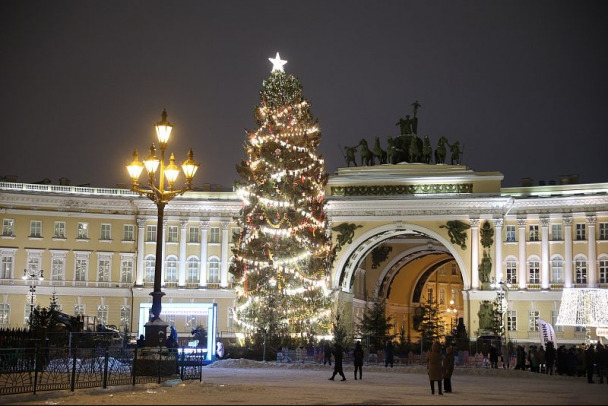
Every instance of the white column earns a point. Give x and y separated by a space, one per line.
224 260
141 252
475 253
568 252
181 278
498 274
592 261
523 263
164 248
544 261
204 227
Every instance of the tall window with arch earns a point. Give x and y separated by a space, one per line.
557 269
149 265
214 270
193 270
580 269
171 269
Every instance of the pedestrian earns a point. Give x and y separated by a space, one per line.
388 354
550 355
601 356
338 356
590 362
448 369
326 353
358 357
434 367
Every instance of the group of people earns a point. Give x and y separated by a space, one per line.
440 368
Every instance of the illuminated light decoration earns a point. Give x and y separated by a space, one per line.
586 307
277 63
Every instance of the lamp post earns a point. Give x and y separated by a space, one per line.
503 291
453 314
32 275
160 194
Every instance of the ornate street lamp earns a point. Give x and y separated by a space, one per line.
32 275
452 312
160 193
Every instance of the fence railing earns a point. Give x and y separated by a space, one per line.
33 369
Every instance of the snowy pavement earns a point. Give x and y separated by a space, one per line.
268 383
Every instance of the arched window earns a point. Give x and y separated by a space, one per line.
150 262
533 270
511 270
214 270
603 269
193 270
171 269
580 270
557 269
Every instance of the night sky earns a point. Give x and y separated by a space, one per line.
523 85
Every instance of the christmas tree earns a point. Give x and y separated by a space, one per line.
283 252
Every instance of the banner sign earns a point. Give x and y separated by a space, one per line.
546 333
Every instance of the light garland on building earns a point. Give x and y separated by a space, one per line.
585 307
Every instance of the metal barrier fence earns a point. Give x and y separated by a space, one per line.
29 370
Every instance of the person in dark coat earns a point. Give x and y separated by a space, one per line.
448 369
326 353
338 356
358 356
550 355
590 362
388 354
434 364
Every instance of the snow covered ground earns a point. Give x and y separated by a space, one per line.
269 383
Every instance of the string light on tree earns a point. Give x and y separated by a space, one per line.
283 251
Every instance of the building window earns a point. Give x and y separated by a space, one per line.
603 231
36 228
128 232
533 316
193 270
441 296
230 324
442 271
79 309
214 270
102 314
81 269
5 312
511 272
83 231
149 266
580 266
103 270
171 269
125 317
151 233
511 320
603 275
172 234
58 268
6 264
533 233
534 271
557 270
556 232
106 232
8 227
59 229
214 235
429 295
34 258
454 268
558 329
580 232
126 270
510 234
193 234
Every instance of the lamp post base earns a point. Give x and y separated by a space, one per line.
156 332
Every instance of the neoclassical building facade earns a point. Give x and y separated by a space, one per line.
411 233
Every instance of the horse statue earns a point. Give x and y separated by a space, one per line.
402 147
350 155
379 152
415 150
427 150
367 156
440 151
